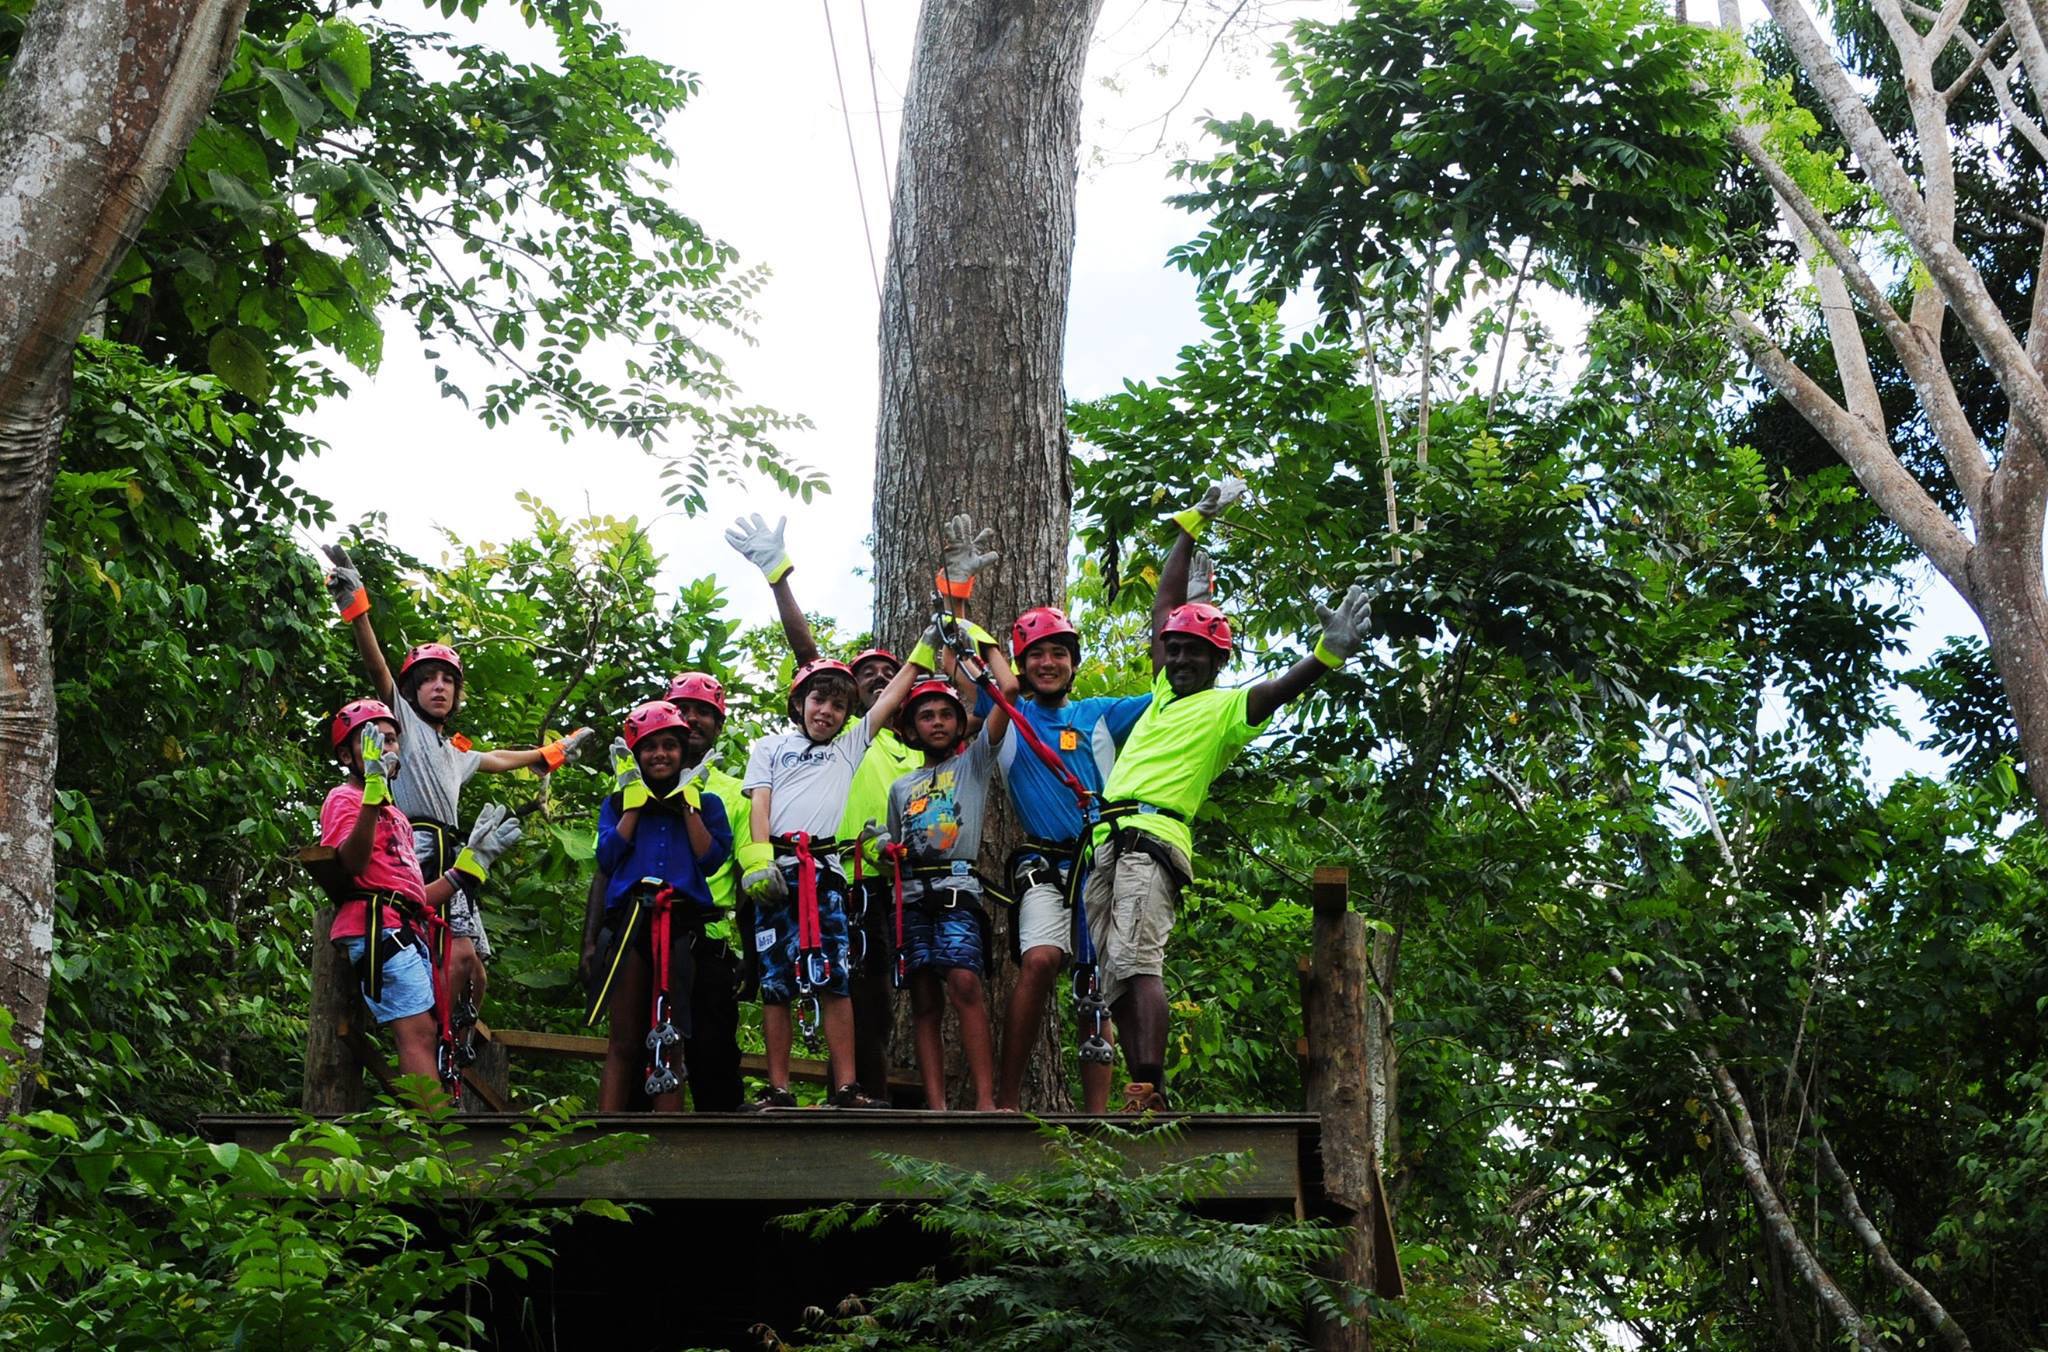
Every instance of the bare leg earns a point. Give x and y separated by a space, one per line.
1036 977
1097 1080
964 988
837 1013
775 1031
466 971
625 1041
1140 1013
927 1010
416 1038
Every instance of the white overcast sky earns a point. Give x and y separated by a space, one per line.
764 165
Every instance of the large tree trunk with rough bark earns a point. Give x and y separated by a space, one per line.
2005 589
101 102
974 313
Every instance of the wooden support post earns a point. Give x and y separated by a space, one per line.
334 1073
1340 1093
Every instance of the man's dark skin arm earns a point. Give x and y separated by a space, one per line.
1263 700
1344 629
795 628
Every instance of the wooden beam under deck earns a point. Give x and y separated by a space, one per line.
810 1157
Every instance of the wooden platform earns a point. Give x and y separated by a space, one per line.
802 1156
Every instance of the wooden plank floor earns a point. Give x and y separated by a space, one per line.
813 1156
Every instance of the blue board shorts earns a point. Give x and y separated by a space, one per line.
408 979
942 938
775 935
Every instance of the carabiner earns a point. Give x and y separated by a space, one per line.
902 980
808 1017
817 965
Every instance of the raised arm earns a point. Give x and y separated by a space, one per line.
1172 592
1344 632
761 545
545 759
345 585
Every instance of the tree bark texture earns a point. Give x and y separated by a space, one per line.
1339 1091
973 337
334 1073
102 100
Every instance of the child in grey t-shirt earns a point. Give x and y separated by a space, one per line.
935 822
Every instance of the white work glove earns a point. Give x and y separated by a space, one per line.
1222 495
626 778
344 583
495 832
965 553
555 755
1201 578
380 767
1346 628
766 884
761 545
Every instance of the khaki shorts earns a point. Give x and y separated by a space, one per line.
1044 920
1131 905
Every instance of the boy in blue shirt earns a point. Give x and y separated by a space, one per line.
659 840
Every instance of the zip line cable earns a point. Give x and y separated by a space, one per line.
874 91
860 195
882 292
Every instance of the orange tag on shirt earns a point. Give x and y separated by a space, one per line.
460 743
1069 739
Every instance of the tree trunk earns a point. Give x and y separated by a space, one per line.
101 102
973 336
1339 1092
2006 591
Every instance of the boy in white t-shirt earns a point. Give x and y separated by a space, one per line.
797 783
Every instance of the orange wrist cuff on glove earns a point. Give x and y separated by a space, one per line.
553 757
954 591
359 604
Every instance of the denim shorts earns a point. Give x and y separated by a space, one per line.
408 980
775 939
941 939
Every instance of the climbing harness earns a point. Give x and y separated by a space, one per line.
1088 1002
422 929
463 1010
813 963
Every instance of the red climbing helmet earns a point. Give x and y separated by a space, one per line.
932 687
1039 624
805 674
1202 620
868 653
430 652
652 716
357 712
697 685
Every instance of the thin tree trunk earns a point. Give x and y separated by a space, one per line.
972 411
102 100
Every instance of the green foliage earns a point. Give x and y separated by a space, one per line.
1086 1252
375 1230
517 212
1584 130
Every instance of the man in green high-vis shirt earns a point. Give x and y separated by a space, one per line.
1144 848
888 758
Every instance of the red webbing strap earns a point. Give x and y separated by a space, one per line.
809 933
658 935
894 853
